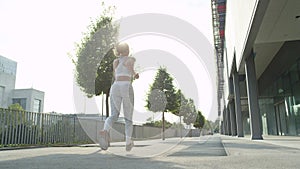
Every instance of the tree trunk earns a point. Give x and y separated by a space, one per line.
180 127
163 126
107 105
102 105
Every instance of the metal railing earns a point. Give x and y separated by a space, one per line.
19 128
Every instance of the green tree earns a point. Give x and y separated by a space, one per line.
211 126
162 95
180 98
14 113
200 120
104 77
158 124
16 106
181 101
216 126
188 110
96 43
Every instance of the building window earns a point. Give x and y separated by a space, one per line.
37 105
8 66
21 101
1 95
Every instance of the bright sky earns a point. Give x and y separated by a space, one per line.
39 34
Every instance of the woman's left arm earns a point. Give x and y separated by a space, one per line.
130 64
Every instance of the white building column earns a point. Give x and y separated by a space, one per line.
228 120
224 122
237 100
232 118
254 113
231 107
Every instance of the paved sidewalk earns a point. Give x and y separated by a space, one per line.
158 147
215 151
286 141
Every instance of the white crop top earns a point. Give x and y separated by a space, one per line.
121 69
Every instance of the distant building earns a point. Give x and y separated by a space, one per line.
30 99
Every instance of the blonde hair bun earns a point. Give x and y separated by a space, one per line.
122 49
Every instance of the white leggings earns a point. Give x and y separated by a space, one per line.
121 92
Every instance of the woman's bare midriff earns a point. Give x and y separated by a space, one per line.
123 78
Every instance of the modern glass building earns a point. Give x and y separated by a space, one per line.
257 43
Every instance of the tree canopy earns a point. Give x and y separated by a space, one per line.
189 111
94 55
91 51
162 95
200 120
104 74
16 106
158 124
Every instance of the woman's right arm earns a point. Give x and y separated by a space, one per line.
115 64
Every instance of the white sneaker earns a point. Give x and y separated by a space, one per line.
129 146
104 140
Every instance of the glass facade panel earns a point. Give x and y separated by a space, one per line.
294 75
267 111
295 105
8 66
286 85
282 108
21 101
37 105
